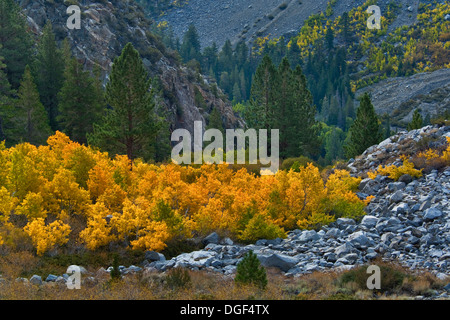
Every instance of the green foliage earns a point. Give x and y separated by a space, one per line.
365 130
81 101
391 278
416 122
130 126
30 120
178 278
190 49
15 41
250 271
115 272
280 99
49 73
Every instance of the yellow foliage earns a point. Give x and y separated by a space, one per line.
32 206
98 231
63 195
395 172
103 201
45 237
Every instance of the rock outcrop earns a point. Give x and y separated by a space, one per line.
106 27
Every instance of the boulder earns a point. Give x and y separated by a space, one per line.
432 213
211 238
309 235
369 221
35 279
280 261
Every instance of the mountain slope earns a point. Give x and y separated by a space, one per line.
105 29
400 96
236 19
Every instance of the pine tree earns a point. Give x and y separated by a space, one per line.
285 95
365 130
31 122
215 120
294 54
190 49
416 122
304 115
81 102
250 271
130 126
261 111
6 103
16 43
49 73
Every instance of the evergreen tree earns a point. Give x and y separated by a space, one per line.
16 43
30 121
334 145
130 126
250 271
416 122
49 73
329 37
215 120
226 61
365 130
6 103
81 102
261 111
190 49
285 95
304 114
294 54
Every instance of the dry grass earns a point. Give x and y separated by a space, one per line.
207 285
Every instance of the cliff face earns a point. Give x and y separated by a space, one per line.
106 27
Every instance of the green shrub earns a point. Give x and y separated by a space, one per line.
295 163
178 278
250 271
115 272
391 278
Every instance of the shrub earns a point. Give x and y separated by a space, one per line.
250 271
115 272
178 278
395 172
391 278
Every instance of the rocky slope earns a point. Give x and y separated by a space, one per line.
237 19
106 26
399 97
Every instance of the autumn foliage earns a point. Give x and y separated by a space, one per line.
69 195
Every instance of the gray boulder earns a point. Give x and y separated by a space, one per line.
358 239
51 278
309 235
211 238
35 279
432 213
369 221
280 261
154 256
396 197
343 223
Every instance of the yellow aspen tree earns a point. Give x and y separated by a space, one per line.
45 237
